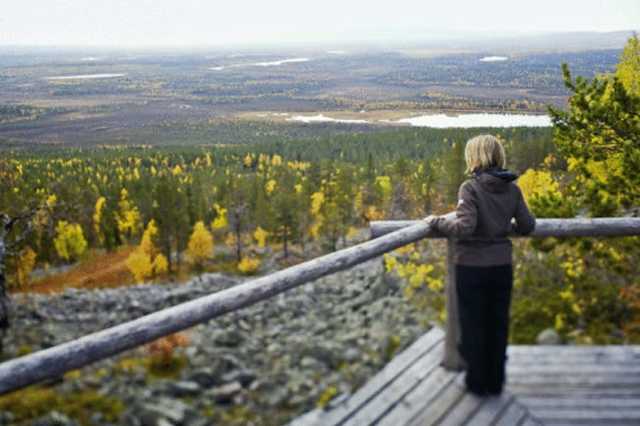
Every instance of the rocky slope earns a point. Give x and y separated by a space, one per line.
261 365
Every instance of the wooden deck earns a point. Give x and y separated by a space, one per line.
555 385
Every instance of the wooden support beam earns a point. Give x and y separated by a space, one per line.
452 360
55 361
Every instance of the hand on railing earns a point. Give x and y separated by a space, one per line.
431 219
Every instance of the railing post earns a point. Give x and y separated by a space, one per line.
452 359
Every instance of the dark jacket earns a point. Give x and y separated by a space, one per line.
486 205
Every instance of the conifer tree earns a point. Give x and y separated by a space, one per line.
599 136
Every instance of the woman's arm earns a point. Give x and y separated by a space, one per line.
466 217
525 221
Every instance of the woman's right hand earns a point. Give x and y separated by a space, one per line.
431 219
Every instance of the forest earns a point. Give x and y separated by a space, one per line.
175 211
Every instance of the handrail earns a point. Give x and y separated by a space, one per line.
53 362
575 227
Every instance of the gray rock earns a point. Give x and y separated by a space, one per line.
205 377
6 418
308 362
54 418
183 388
231 337
245 377
352 355
548 337
171 410
253 356
199 422
327 352
277 397
225 393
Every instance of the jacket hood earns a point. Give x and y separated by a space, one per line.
495 179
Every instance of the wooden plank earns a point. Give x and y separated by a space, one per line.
55 361
420 398
559 392
382 403
491 410
589 423
571 401
604 416
571 362
462 411
391 372
530 421
513 415
573 368
439 407
530 351
576 227
608 380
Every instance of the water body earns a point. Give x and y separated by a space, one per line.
84 76
284 61
324 119
494 59
443 121
262 64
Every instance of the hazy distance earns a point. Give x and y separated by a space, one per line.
149 23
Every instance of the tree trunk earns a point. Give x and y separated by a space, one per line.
238 242
4 305
286 246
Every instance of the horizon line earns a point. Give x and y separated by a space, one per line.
436 37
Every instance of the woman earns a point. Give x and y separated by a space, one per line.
484 277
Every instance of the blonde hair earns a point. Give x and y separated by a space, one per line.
483 152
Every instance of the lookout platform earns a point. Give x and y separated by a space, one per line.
547 385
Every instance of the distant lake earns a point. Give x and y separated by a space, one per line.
84 76
262 64
494 59
442 121
324 119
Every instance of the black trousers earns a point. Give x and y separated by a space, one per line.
484 298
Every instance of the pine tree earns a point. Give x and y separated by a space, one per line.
599 136
628 69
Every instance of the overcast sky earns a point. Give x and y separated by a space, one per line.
216 22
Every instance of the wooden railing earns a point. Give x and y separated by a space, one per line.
387 236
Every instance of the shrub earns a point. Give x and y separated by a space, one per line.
163 360
248 265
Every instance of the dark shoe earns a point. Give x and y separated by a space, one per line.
494 392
